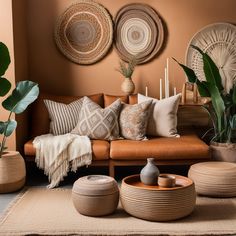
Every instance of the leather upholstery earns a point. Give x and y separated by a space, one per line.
100 149
133 99
109 99
188 146
39 114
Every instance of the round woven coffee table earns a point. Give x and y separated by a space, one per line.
156 203
215 178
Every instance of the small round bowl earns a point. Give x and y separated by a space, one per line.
166 180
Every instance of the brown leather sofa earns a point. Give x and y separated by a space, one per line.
186 150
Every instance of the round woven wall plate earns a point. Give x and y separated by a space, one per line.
218 40
138 32
84 32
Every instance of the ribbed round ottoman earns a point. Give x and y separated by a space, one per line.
95 195
217 179
157 203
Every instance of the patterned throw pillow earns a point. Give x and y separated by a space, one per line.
133 120
64 117
98 123
163 116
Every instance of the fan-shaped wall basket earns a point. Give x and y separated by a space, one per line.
138 32
84 32
219 42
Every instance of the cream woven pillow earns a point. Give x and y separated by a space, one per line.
98 123
133 120
163 116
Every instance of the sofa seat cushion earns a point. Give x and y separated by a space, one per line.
188 146
100 149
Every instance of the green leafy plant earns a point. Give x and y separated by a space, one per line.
127 69
222 108
23 95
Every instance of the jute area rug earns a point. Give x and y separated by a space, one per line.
39 211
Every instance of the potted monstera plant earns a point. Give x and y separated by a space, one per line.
222 108
12 165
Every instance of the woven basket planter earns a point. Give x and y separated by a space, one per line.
12 172
223 151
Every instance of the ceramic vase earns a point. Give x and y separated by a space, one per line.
12 172
149 173
128 86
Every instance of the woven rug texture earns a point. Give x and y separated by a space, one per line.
41 211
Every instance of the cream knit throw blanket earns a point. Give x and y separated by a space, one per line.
56 155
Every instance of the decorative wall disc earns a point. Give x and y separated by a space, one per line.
138 32
84 32
219 42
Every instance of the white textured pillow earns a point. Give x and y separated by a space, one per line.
98 123
163 116
64 117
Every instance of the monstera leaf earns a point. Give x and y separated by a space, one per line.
23 95
5 86
7 127
4 58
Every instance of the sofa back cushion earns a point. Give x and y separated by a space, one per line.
40 121
109 99
133 99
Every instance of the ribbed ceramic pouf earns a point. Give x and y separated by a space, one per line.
156 203
216 178
12 172
95 195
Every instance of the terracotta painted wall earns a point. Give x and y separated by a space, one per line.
56 74
21 63
6 36
37 57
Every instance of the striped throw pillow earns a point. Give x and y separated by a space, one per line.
98 123
64 117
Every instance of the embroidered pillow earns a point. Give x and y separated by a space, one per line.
163 116
64 117
133 120
98 123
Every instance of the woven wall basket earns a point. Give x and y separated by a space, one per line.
84 32
218 40
138 32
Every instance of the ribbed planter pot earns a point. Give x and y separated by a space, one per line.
223 151
12 172
128 86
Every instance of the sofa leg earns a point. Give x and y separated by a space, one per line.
111 169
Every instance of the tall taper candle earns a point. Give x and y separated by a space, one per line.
174 90
167 68
160 89
167 88
165 84
146 91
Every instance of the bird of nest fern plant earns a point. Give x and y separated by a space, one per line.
127 69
